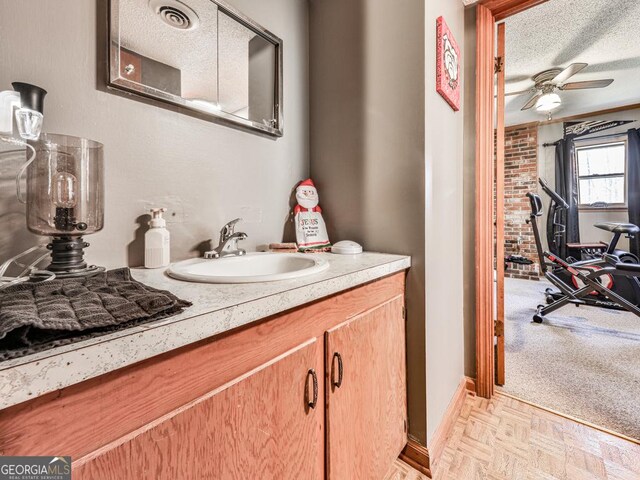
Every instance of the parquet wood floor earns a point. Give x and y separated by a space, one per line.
505 439
402 471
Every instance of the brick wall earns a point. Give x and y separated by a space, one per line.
520 177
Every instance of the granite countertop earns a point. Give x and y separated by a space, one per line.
216 308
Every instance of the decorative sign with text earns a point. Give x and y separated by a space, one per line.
578 129
311 232
447 65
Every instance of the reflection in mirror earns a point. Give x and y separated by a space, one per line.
169 46
200 54
246 72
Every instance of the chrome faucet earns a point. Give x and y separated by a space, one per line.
228 243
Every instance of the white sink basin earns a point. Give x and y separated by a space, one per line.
249 268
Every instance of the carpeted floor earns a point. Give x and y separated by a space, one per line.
584 362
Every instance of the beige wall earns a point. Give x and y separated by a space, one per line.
367 143
387 154
205 173
444 229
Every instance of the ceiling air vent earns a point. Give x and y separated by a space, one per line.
175 14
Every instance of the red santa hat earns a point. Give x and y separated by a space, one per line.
306 183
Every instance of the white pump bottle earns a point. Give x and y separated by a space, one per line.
156 241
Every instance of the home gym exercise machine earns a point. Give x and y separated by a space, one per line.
603 281
556 230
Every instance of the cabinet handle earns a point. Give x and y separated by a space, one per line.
314 401
338 383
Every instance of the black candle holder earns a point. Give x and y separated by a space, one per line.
67 258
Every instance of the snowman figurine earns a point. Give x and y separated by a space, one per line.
311 231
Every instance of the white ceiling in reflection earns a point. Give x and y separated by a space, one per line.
194 51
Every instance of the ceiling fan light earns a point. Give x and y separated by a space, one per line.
548 102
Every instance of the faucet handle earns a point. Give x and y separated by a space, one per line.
233 222
229 229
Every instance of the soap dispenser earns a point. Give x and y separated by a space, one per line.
156 241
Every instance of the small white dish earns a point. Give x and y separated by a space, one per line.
346 247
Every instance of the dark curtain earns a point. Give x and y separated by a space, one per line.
567 188
634 186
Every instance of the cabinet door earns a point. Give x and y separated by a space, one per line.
261 425
366 393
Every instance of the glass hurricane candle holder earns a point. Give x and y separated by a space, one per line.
65 198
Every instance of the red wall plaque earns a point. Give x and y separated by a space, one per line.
447 65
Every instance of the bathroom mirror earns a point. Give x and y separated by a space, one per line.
200 54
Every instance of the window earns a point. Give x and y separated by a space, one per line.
602 174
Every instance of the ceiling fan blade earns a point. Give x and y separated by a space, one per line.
587 84
568 72
532 101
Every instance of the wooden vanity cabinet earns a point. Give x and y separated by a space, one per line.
265 424
317 392
366 393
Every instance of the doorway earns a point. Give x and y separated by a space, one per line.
564 117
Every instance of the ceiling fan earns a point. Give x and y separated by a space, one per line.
549 82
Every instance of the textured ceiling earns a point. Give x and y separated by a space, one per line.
603 33
193 52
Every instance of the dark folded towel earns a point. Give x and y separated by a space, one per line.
39 316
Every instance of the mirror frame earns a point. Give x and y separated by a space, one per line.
116 81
